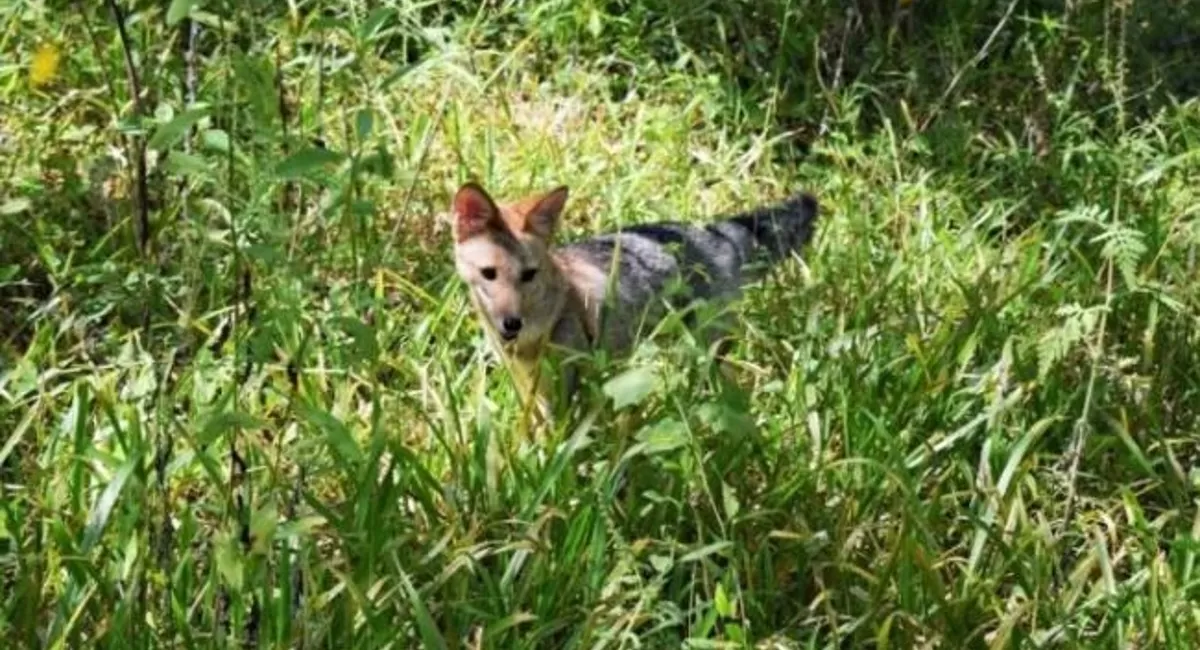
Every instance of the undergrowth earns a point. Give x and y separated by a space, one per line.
245 402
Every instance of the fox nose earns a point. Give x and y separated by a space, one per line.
511 325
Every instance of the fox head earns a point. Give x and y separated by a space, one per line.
503 253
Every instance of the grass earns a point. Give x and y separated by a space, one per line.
262 415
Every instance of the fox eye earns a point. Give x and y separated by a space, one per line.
488 272
528 274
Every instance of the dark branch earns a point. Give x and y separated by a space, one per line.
135 89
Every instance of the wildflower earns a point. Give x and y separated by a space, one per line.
44 66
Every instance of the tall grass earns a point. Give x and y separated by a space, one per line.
250 407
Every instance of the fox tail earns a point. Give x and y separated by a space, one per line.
779 230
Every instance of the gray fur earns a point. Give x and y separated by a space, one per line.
709 262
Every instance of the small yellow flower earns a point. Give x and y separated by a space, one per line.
44 66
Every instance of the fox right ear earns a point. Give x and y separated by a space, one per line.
474 211
541 218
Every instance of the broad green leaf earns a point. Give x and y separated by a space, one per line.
229 560
208 19
78 132
362 208
662 436
337 434
721 600
364 121
132 553
883 634
724 418
430 635
365 345
399 74
307 161
374 21
17 433
729 500
508 622
263 523
216 139
14 206
221 422
186 164
661 563
1154 174
704 552
98 518
164 113
169 134
134 125
299 527
630 387
266 253
595 23
179 10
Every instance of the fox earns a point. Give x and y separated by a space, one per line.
535 296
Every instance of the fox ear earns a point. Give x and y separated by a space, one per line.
542 213
474 211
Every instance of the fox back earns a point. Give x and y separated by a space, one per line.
639 273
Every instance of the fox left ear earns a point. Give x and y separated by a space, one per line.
474 211
542 213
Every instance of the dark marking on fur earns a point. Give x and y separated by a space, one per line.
782 228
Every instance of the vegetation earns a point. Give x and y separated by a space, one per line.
245 404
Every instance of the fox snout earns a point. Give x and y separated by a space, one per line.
509 327
501 306
504 305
